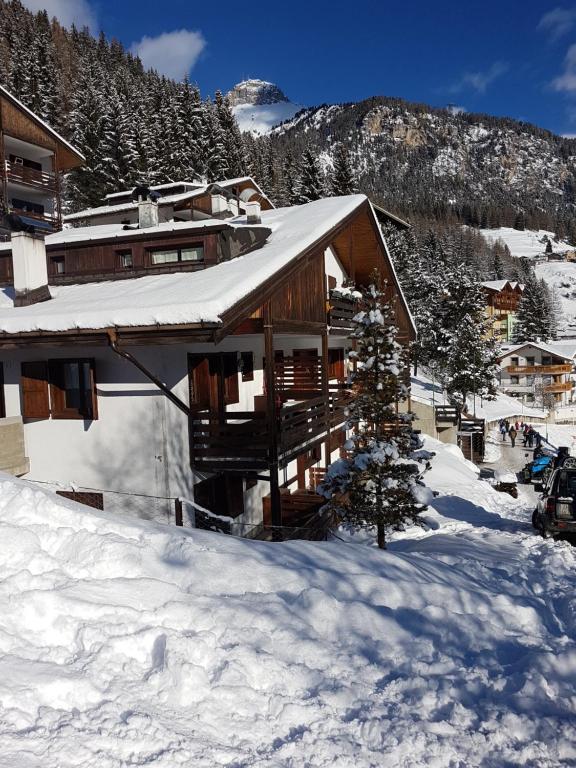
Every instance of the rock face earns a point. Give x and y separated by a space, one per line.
256 92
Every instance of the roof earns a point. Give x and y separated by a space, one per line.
181 297
191 184
383 213
55 135
565 349
499 285
180 197
122 231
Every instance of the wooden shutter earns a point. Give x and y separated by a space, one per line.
199 378
230 371
35 398
336 364
2 400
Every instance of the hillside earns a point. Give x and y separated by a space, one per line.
129 643
414 159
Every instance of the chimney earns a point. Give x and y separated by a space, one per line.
148 215
218 205
253 213
30 269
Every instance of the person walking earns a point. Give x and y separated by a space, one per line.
512 432
531 434
517 427
525 431
503 431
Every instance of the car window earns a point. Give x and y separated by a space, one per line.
566 483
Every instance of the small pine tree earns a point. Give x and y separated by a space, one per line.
533 319
379 483
342 180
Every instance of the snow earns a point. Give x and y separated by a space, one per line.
181 297
562 277
525 243
126 643
259 119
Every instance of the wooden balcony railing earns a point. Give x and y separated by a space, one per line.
539 369
341 311
20 174
47 218
561 386
240 439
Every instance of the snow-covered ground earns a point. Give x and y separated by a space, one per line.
124 643
527 243
562 277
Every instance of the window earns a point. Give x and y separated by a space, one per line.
247 366
514 380
176 255
58 265
63 389
222 494
211 374
72 390
529 361
125 259
514 361
546 360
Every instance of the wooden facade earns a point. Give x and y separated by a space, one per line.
32 158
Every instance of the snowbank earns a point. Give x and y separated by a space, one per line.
125 643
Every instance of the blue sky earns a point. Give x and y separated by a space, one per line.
509 57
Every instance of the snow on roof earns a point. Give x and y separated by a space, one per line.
181 297
565 349
119 231
41 122
105 210
169 185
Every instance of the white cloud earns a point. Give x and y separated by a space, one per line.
171 53
567 80
479 81
456 109
67 12
558 22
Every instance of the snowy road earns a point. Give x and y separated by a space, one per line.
131 644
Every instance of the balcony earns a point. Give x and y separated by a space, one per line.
341 311
13 458
561 386
538 369
241 439
30 177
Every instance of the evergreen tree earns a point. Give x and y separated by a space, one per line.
233 144
498 266
310 181
379 484
342 181
215 145
533 320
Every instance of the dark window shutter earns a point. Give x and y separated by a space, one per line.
35 398
247 366
231 389
2 401
199 380
336 364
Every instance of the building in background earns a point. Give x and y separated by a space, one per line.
539 373
33 158
502 299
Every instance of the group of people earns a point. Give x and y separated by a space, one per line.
529 435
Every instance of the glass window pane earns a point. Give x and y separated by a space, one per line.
192 254
72 385
164 257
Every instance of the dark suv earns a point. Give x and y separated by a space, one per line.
556 510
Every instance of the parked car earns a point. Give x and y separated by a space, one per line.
556 510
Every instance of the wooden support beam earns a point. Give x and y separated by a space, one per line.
275 500
326 391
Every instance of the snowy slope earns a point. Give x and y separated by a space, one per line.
562 277
526 243
122 643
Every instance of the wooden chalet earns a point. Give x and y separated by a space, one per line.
502 299
205 359
32 159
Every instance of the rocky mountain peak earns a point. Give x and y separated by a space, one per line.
256 92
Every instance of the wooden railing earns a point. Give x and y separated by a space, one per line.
341 311
298 376
47 217
240 439
539 369
561 386
446 414
20 174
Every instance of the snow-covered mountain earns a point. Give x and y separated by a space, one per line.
418 159
259 105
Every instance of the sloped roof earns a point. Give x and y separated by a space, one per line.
55 135
182 297
500 285
565 349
